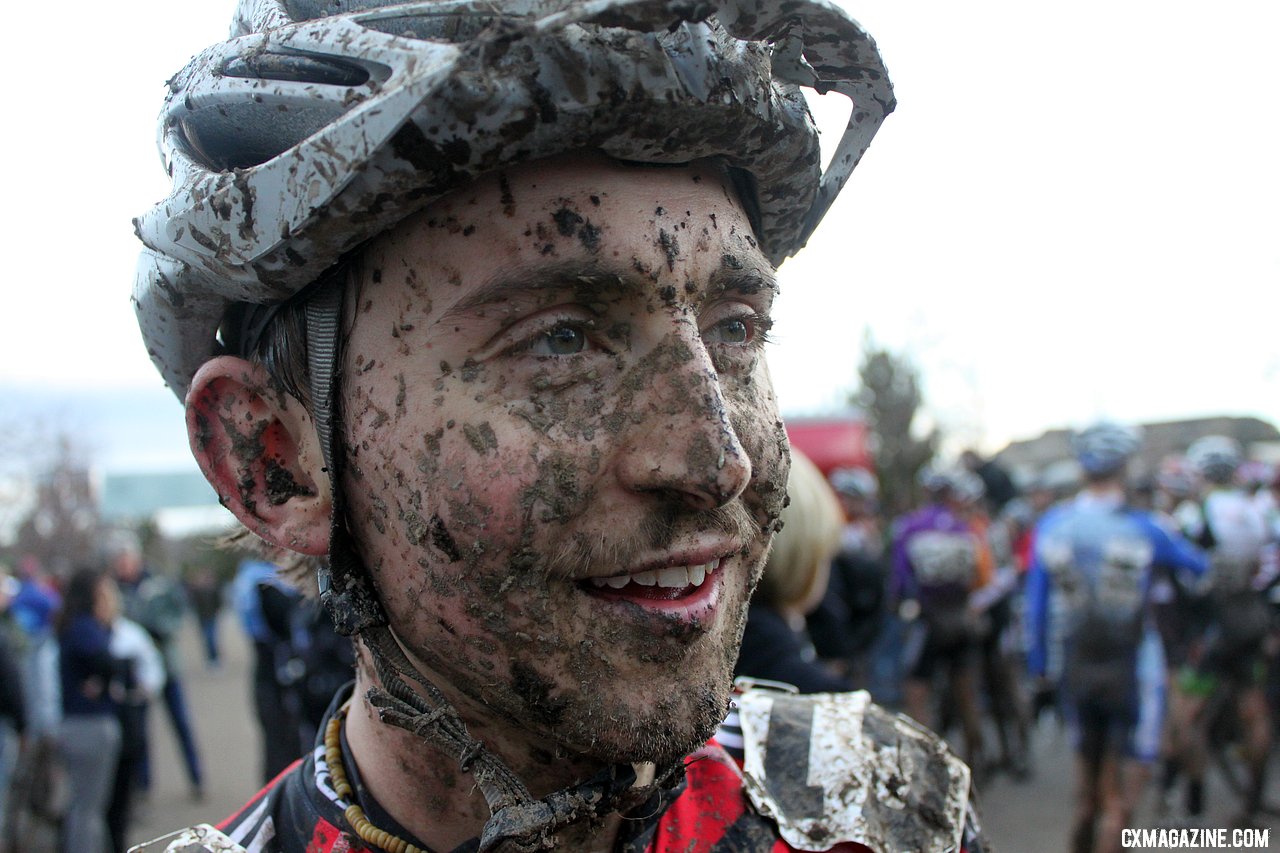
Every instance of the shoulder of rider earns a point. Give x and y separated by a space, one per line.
831 768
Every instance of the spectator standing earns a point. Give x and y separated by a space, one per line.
92 681
264 604
13 715
206 599
158 604
33 609
144 681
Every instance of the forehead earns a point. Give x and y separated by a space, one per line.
643 226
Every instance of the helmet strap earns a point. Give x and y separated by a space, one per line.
345 587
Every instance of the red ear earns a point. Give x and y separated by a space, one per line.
258 448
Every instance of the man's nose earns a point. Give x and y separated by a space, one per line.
682 441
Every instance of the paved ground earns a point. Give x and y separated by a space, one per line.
1030 816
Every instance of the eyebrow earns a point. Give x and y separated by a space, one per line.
564 276
602 280
746 282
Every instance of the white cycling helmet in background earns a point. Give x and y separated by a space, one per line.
939 479
1215 458
319 126
855 483
1105 447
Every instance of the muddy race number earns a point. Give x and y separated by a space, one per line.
833 767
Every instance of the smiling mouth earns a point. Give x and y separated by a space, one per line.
672 583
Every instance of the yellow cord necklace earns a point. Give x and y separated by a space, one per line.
367 832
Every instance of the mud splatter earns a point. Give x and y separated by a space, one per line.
441 539
481 438
281 486
507 199
536 693
670 247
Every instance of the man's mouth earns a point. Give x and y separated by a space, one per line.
672 583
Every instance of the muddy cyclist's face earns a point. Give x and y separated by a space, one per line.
566 458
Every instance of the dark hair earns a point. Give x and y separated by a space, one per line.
276 338
81 593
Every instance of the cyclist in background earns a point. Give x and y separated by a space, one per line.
1001 652
938 562
1229 666
1091 574
847 623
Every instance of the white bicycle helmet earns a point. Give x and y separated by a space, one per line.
1105 447
1215 458
937 478
313 131
854 482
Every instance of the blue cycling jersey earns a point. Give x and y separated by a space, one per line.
1092 567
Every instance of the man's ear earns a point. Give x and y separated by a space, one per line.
258 448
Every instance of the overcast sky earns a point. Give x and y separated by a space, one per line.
1074 213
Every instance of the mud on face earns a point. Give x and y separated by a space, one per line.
574 389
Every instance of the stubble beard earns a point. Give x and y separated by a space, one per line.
593 690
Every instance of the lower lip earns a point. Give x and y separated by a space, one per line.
693 604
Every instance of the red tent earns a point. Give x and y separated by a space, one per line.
835 441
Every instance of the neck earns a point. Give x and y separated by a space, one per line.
1106 489
423 789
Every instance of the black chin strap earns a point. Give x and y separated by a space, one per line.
519 823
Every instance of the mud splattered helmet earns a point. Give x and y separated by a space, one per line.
1105 447
311 132
321 124
1215 458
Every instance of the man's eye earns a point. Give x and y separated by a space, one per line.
733 332
563 339
738 331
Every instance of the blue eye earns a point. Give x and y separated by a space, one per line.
735 331
563 339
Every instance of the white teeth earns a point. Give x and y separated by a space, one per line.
676 577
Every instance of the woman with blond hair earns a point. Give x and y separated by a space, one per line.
775 645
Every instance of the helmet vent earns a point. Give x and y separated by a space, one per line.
239 135
296 68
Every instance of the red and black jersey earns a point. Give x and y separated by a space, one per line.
708 812
298 812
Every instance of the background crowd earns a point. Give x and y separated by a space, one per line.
934 610
958 612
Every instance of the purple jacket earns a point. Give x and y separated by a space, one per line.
935 558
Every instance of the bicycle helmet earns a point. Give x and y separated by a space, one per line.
854 482
1215 458
969 486
311 132
1105 447
937 479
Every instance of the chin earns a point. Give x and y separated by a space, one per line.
662 733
